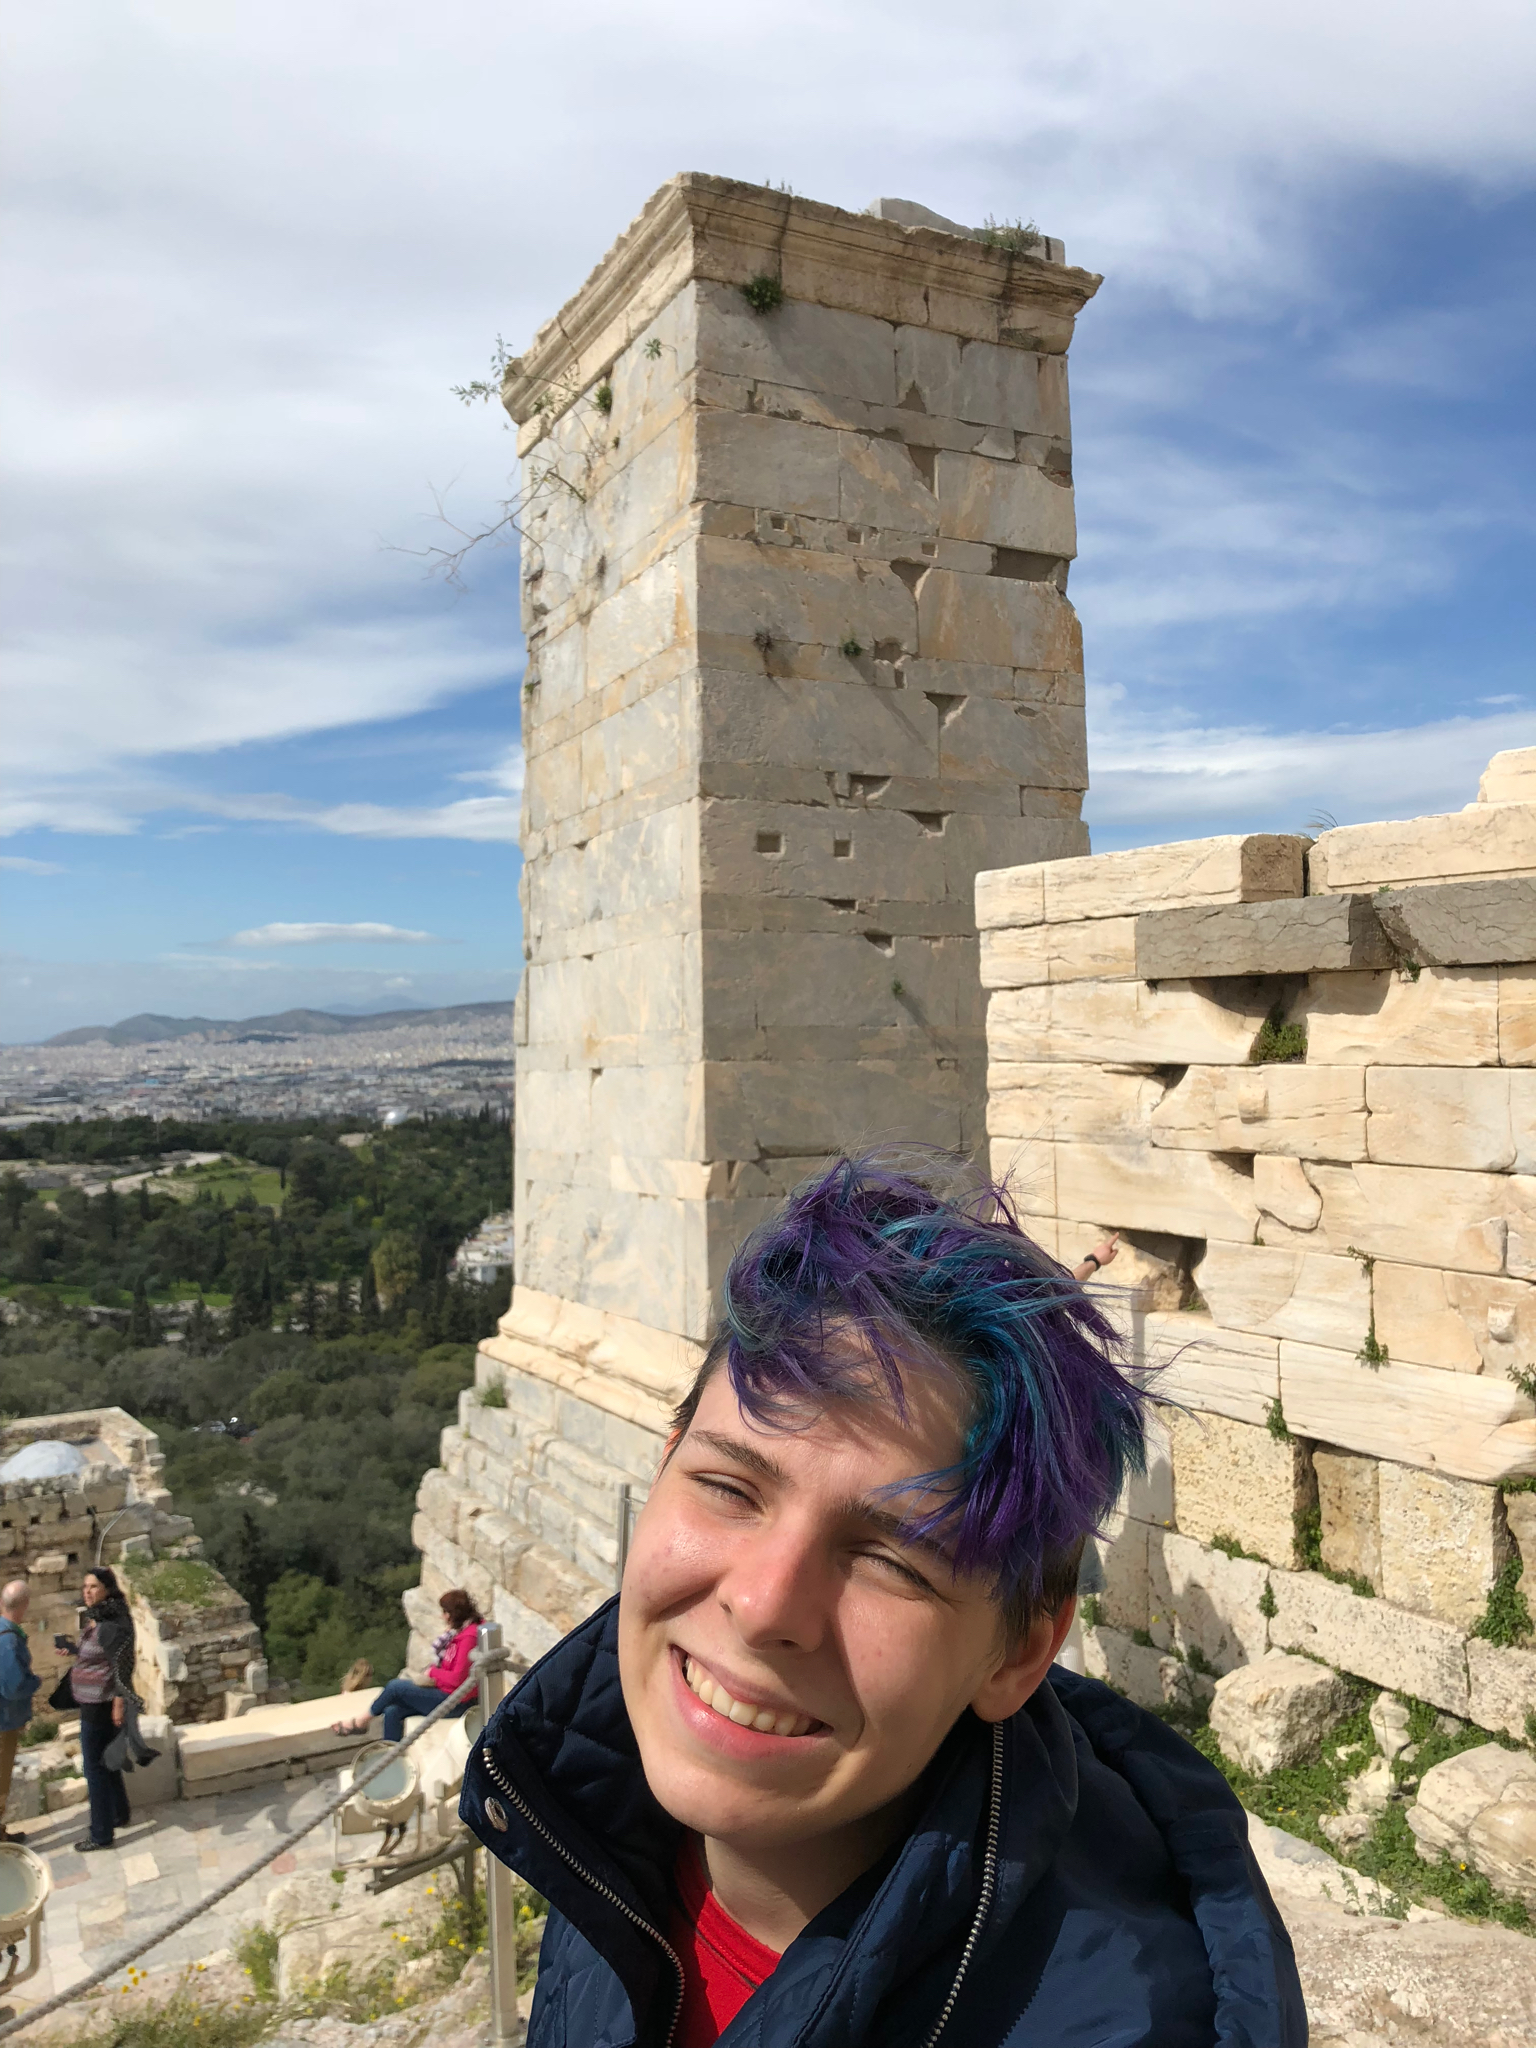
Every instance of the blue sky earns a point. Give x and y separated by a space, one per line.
245 256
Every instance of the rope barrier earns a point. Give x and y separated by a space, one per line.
185 1919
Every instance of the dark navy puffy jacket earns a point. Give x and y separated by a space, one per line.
1123 1905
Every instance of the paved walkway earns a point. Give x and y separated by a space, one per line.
176 1855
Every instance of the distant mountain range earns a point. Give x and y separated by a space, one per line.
147 1029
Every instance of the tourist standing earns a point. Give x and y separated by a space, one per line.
18 1682
101 1681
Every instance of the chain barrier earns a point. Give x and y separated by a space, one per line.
482 1663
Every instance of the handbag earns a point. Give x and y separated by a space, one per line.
62 1698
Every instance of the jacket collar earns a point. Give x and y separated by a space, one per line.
587 1831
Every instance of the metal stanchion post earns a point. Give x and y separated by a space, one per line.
500 1913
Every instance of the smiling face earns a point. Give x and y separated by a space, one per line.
791 1664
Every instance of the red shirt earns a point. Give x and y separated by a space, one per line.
722 1964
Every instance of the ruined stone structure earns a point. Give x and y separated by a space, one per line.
797 518
198 1658
1301 1080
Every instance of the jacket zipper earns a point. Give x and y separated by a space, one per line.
988 1885
605 1891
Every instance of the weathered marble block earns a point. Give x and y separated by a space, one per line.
1096 949
1060 1099
1297 935
1498 839
1206 1601
1443 1542
1463 924
1441 1422
1241 868
1313 1297
1411 1653
1121 1022
1448 1017
1304 1112
1238 1480
1215 1371
1349 1511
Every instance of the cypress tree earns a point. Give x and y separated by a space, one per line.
368 1303
141 1322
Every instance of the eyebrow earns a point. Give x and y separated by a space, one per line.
852 1508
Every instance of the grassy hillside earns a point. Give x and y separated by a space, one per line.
297 1422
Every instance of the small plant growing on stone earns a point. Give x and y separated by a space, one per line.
493 1396
1274 1422
1268 1605
898 988
482 390
851 649
602 397
1279 1044
652 350
1524 1377
1088 1609
256 1953
1307 1524
1530 1726
764 294
1506 1620
1142 1638
1373 1352
1017 237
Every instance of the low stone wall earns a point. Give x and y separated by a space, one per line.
1298 1078
197 1659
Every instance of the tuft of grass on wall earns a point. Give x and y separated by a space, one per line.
1278 1043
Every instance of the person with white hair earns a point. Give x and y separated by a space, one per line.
18 1682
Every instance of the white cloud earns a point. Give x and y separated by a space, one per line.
255 246
13 863
99 802
1150 784
326 934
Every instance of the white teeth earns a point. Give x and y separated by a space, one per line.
763 1719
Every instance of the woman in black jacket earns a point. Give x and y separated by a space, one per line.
102 1681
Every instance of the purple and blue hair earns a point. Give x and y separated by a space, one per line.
928 1275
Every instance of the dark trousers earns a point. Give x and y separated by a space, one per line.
400 1699
109 1795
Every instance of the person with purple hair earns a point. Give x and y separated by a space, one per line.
813 1778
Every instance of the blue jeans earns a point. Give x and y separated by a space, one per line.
108 1794
400 1699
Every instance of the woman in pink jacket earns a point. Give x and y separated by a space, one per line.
451 1653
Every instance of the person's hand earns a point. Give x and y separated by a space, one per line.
119 1711
1106 1249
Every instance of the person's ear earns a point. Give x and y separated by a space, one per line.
1023 1665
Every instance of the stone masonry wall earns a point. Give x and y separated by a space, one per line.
525 1509
1301 1081
800 663
195 1661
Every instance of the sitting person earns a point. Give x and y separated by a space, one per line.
451 1652
812 1777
